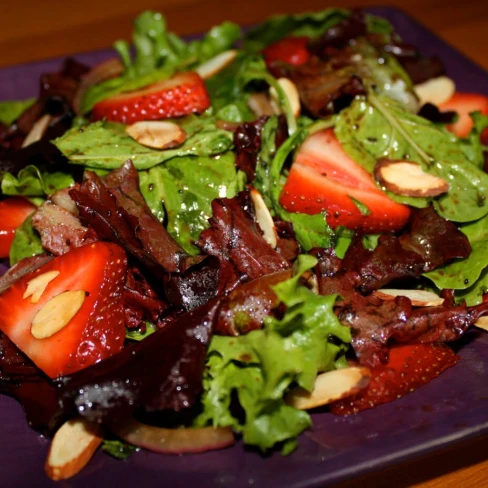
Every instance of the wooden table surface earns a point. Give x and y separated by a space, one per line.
33 30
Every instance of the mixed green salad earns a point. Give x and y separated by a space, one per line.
245 214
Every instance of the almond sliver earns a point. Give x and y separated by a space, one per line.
409 179
216 64
38 130
482 323
419 298
260 104
291 93
264 219
329 387
436 90
72 447
157 134
37 286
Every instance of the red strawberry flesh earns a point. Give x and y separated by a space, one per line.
464 104
13 211
324 178
95 332
183 94
409 367
291 50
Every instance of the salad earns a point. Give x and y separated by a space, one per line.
209 239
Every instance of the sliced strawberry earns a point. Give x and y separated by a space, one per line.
183 94
324 178
291 50
13 211
464 104
87 324
409 367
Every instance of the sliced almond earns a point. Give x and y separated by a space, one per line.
313 283
157 134
408 178
264 219
329 387
291 92
216 64
482 323
72 447
37 286
436 90
419 298
57 313
38 130
260 104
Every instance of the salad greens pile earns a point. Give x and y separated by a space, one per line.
260 366
180 183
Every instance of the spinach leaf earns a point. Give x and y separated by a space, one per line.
151 185
26 242
105 145
381 128
472 146
474 294
225 92
11 110
383 72
464 274
188 185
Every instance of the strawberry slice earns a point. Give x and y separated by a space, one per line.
183 94
68 314
464 104
291 50
13 211
324 178
409 367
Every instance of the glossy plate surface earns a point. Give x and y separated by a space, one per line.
450 409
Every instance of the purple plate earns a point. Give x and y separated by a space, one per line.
451 409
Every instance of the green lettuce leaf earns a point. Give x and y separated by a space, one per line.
474 294
187 186
32 182
464 274
26 243
105 145
151 185
11 110
137 335
259 367
380 128
383 72
118 449
229 98
472 146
